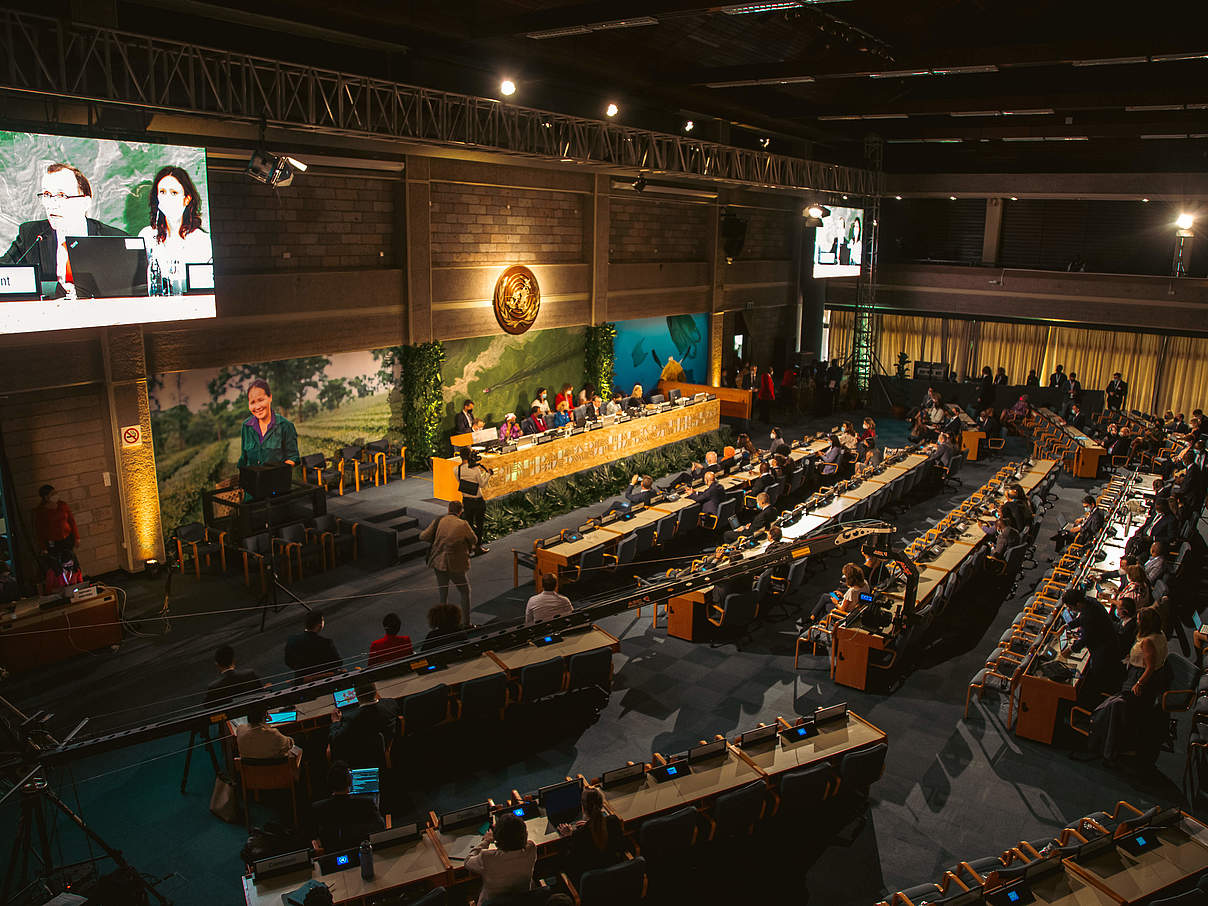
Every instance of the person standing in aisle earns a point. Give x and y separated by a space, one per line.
472 477
452 540
767 395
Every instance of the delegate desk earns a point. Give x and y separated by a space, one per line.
1086 451
408 865
735 403
777 755
1048 686
35 632
535 464
516 659
971 434
1181 854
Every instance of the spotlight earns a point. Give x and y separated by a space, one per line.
764 143
507 87
845 198
952 198
817 211
1146 200
639 184
272 170
612 110
1015 198
1185 221
897 198
689 126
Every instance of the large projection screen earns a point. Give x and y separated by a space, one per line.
839 243
96 232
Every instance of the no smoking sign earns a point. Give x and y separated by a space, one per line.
132 436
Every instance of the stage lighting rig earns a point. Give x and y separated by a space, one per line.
272 170
814 214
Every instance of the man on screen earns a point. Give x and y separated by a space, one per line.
66 196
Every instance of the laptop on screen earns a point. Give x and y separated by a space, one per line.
108 267
562 802
365 783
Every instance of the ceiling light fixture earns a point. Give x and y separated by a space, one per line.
507 87
689 126
1185 221
612 110
765 142
897 198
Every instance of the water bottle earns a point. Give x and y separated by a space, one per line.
155 279
366 860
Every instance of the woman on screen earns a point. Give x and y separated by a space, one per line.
175 237
267 437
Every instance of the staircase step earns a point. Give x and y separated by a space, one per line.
387 515
407 536
405 524
412 551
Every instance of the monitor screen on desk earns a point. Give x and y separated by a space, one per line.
708 750
281 717
560 800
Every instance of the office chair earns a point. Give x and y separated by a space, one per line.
737 812
625 882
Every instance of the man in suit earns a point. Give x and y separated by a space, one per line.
66 196
1096 632
535 423
309 652
1116 391
710 496
1000 378
1058 381
640 490
464 422
231 683
942 455
764 514
1074 417
342 821
359 736
1073 395
1084 529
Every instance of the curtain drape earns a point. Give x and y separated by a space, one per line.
1095 354
1184 377
1017 348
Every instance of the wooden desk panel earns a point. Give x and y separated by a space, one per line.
735 402
515 660
642 800
540 463
834 740
31 637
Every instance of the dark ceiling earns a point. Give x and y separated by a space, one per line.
951 85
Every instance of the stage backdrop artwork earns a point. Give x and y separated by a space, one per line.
501 374
333 401
675 347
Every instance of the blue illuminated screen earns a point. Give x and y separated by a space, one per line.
344 859
671 772
1012 897
518 812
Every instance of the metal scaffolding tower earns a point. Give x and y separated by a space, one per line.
50 57
865 327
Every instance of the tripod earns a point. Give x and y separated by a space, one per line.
273 587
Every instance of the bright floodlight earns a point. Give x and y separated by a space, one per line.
507 87
1185 221
689 126
814 210
612 110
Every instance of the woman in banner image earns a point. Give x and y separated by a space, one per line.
175 237
267 436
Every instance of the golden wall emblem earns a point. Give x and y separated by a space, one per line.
517 299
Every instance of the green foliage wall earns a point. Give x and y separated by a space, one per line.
555 498
416 403
599 356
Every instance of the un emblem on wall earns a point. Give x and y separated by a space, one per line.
517 299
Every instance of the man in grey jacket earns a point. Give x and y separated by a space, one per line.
452 540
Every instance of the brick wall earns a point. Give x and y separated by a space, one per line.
321 221
474 224
769 234
62 437
645 230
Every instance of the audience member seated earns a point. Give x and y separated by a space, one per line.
535 423
941 457
231 682
547 604
832 458
541 401
873 455
597 841
1157 567
1083 530
842 602
565 395
363 734
1074 417
562 414
342 821
1093 629
764 514
508 867
641 489
777 443
444 627
1133 585
868 433
1017 509
612 405
698 470
63 574
256 739
745 449
847 436
989 425
391 646
1019 411
310 652
1006 536
510 429
710 496
1127 723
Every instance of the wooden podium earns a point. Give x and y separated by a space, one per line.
34 636
688 615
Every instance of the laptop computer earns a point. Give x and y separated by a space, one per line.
345 698
562 802
365 783
108 267
281 717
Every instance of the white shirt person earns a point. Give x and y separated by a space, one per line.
174 238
